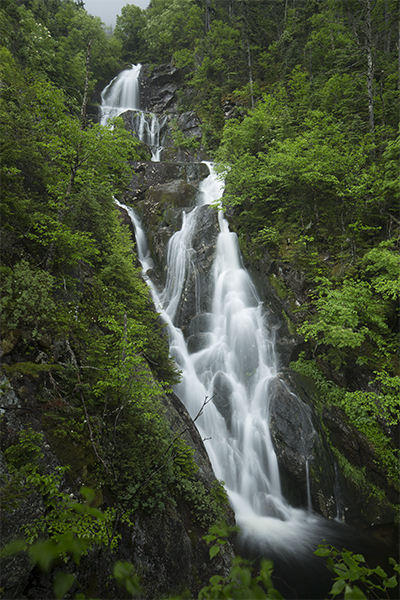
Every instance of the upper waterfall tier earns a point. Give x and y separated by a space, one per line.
121 94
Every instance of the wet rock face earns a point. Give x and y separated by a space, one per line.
190 125
158 88
298 439
356 449
200 276
147 175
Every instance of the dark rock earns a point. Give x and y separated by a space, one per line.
360 453
171 153
299 439
200 323
176 193
158 88
222 393
198 342
204 244
146 175
190 125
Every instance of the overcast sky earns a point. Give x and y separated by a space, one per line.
108 10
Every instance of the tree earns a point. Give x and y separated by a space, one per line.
130 31
172 25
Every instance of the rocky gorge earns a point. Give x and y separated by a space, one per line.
167 549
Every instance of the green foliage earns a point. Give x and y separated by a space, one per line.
52 40
219 533
382 263
26 299
124 573
347 317
171 26
241 581
130 31
63 520
350 569
180 139
74 542
24 455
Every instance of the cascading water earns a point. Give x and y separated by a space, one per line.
237 364
122 94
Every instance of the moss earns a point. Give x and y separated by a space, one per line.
290 325
28 368
350 472
278 286
75 451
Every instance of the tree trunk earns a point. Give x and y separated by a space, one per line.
207 20
250 71
370 67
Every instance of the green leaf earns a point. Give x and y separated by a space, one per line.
214 551
354 593
391 582
359 557
124 574
43 553
337 587
13 548
209 538
62 583
379 571
245 576
274 594
215 579
322 551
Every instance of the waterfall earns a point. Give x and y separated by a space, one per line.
234 368
231 377
122 94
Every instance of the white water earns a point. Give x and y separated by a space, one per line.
234 368
123 94
239 357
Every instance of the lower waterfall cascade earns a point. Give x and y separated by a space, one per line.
237 356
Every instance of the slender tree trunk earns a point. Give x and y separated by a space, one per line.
370 67
207 20
250 72
398 48
285 15
246 34
387 40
